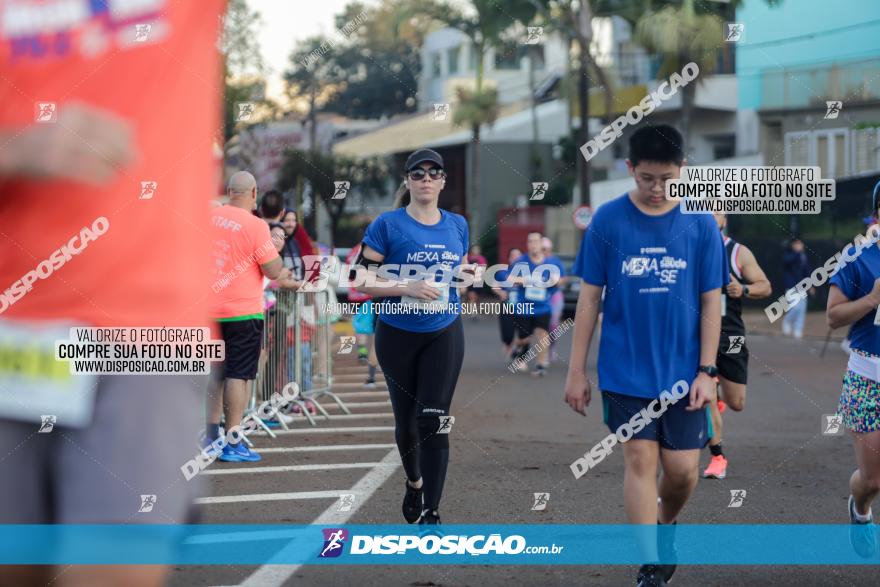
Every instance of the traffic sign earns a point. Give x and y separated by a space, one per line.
582 216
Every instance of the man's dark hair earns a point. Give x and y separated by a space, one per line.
660 144
272 204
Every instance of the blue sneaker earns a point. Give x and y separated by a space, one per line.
239 453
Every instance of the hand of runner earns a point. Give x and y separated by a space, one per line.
422 290
578 393
702 392
734 288
85 144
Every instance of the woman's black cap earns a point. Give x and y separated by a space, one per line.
421 156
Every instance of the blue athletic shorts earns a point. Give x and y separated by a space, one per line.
675 429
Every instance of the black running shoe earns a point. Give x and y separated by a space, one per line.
650 576
412 504
429 517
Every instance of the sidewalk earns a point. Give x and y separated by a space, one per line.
814 325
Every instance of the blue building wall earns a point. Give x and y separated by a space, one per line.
802 33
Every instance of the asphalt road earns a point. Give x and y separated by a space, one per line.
514 437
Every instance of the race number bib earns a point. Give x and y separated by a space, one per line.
421 304
536 294
34 386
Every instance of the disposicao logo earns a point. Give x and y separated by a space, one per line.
334 541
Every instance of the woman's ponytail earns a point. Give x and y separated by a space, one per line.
402 196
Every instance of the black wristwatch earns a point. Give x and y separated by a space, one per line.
710 370
745 291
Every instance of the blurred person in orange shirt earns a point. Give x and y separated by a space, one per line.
108 119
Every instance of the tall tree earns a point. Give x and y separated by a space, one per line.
243 65
484 23
378 64
310 78
684 31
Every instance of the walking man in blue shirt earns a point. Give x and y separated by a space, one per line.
662 272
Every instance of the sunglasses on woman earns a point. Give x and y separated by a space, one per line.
418 174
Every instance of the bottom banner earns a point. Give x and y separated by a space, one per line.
449 544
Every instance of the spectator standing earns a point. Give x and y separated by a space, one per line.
796 266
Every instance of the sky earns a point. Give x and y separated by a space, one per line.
286 21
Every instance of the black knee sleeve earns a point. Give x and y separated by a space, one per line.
429 434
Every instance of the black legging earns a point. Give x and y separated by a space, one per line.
421 369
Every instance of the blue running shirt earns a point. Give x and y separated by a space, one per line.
654 269
538 297
856 280
404 240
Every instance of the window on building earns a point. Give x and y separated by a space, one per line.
797 148
866 150
830 152
827 149
436 70
723 147
507 55
452 59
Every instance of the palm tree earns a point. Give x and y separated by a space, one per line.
680 36
484 27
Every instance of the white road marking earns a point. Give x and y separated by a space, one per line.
275 575
360 394
271 497
336 430
333 404
291 468
323 447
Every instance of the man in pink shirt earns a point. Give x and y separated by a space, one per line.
243 255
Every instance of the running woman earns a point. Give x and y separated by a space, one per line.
534 292
507 294
662 271
853 299
419 336
747 280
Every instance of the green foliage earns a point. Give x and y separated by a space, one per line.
369 67
239 40
242 57
475 109
681 35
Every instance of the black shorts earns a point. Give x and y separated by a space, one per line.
505 321
527 323
243 340
733 357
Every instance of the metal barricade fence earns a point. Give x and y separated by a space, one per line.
314 357
297 337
